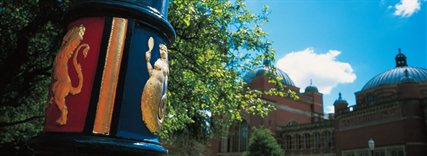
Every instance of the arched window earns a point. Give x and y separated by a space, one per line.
307 140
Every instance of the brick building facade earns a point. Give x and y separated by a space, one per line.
391 109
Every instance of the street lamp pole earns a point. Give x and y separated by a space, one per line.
371 145
108 92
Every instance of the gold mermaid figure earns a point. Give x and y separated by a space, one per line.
153 103
62 85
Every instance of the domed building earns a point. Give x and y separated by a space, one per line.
311 89
340 105
263 71
307 109
390 111
394 83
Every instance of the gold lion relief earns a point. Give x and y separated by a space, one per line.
153 103
62 85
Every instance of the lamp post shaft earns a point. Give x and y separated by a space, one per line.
109 82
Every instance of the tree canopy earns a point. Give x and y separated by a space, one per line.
217 42
262 143
31 32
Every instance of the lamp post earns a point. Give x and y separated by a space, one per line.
371 145
108 91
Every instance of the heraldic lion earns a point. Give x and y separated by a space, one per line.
62 85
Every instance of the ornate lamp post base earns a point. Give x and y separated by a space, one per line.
78 144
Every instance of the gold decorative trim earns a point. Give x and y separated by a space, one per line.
110 76
62 86
153 102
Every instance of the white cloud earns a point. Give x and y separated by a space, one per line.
407 7
329 109
324 69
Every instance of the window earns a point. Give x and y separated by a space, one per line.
317 140
243 136
327 139
379 153
307 140
363 153
369 99
235 142
224 144
397 153
231 143
303 141
235 136
288 142
299 144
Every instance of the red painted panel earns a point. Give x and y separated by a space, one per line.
78 104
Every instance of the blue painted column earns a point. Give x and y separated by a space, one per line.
122 75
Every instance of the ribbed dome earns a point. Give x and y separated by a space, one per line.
401 74
395 75
263 71
407 78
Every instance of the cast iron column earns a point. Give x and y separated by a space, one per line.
109 82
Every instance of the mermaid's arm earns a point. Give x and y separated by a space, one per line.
149 67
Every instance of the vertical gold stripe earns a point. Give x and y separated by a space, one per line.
110 76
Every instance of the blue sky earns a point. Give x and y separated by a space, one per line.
342 44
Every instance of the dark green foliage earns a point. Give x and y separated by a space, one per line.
262 143
30 34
